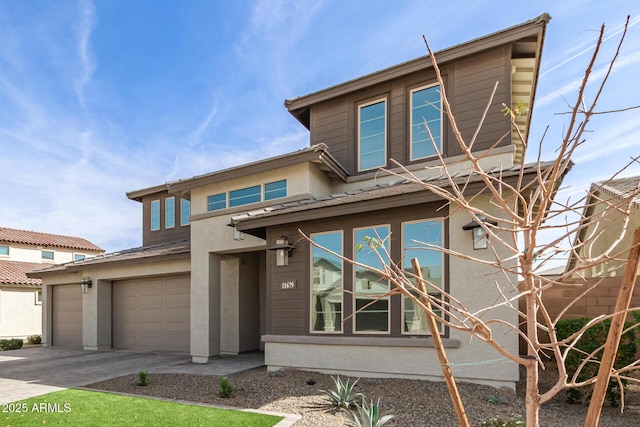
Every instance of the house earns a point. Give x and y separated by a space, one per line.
224 268
605 278
22 251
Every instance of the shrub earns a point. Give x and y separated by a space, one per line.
594 337
12 344
499 422
34 339
225 387
143 378
367 414
343 396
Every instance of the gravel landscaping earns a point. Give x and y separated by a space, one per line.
413 402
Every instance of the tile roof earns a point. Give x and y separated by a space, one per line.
12 235
14 273
621 187
175 247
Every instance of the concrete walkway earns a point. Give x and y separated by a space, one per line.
34 371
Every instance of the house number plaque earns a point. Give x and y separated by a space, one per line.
288 285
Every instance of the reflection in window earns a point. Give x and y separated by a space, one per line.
216 202
78 257
426 111
155 215
169 212
275 190
372 247
4 250
326 293
372 136
47 255
244 196
414 234
185 211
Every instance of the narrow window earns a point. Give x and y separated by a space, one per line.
78 257
4 250
414 236
371 308
38 297
275 190
372 136
169 212
244 196
327 279
47 255
155 215
217 202
426 122
185 211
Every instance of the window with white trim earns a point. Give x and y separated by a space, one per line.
79 257
372 135
415 234
426 122
169 212
4 250
38 298
47 255
155 215
371 308
327 282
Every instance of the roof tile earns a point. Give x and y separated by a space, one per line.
12 235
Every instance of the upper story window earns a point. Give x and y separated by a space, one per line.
372 135
47 255
155 215
169 212
426 122
78 257
275 190
244 196
217 202
4 250
185 211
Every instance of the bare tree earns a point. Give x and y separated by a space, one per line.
528 212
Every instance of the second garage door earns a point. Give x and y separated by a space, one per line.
152 314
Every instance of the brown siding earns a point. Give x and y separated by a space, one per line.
289 309
468 83
164 234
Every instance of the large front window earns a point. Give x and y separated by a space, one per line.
416 238
426 122
372 135
370 306
327 273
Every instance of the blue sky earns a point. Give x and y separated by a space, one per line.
100 98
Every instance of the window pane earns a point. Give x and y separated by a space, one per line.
426 107
78 257
185 211
47 255
431 261
326 294
275 190
217 202
245 196
4 250
170 212
372 247
155 215
372 136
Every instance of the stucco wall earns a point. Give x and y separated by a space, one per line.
20 315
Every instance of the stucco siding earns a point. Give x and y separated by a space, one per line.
20 313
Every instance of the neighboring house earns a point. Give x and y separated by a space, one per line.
22 251
223 268
608 276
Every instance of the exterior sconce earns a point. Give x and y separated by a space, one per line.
282 248
86 284
479 234
237 234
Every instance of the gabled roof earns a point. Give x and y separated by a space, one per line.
11 235
15 273
401 192
620 188
151 253
317 154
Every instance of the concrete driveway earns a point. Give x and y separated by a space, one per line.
34 371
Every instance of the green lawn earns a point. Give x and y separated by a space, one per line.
89 408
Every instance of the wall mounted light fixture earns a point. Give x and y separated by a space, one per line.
478 233
282 248
85 282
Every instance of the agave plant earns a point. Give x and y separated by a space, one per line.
367 414
343 396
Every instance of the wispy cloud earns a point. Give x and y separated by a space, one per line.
86 25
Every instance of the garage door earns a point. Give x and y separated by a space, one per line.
152 314
66 317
